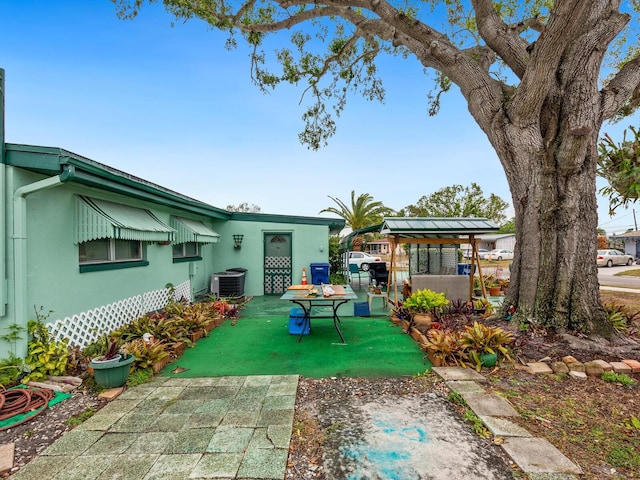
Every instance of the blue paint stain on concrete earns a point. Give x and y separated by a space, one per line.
390 460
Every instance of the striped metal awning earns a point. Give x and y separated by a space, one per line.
96 219
188 230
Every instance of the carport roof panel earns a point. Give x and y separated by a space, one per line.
420 226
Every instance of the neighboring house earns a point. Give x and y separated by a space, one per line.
505 241
98 247
381 247
631 242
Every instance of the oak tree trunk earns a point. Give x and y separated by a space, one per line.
551 174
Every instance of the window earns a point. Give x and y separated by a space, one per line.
109 250
186 250
110 254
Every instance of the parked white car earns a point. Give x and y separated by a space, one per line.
612 257
500 254
482 253
363 260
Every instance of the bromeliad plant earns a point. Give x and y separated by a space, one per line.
478 339
444 348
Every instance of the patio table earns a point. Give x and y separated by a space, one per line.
300 295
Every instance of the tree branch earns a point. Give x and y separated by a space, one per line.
500 37
623 88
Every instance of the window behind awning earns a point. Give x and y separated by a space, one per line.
188 230
96 219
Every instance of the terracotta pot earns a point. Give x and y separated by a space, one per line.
159 365
495 291
422 319
195 336
178 348
435 361
417 335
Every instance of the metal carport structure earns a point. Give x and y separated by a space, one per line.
436 231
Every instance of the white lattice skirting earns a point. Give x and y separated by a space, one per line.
87 327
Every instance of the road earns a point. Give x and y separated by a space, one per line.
606 276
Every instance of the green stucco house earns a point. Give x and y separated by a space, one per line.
98 247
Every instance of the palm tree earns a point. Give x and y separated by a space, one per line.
364 212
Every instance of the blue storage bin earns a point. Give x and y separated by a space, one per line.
319 273
464 269
361 309
296 322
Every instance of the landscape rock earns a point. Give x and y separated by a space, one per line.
593 369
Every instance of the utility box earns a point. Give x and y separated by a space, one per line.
319 273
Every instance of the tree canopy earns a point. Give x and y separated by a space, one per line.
459 201
619 165
244 207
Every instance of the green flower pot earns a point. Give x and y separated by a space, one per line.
112 374
488 359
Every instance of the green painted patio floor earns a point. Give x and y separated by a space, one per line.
260 344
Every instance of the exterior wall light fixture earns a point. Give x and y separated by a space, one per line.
237 241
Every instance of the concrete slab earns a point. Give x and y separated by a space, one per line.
262 463
465 386
404 437
552 476
537 455
458 373
502 427
490 405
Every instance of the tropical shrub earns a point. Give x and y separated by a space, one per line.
425 301
45 355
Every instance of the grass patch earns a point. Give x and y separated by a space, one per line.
620 378
628 273
76 420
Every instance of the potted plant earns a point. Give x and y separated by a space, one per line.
111 368
424 304
109 353
492 285
477 287
484 344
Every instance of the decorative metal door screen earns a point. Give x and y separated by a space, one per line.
277 263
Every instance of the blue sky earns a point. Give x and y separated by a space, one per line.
173 106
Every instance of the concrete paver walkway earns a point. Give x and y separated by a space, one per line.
240 428
224 427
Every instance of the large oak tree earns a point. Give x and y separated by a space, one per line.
530 72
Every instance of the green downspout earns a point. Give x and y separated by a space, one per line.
3 218
20 246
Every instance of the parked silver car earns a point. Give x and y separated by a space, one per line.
611 257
